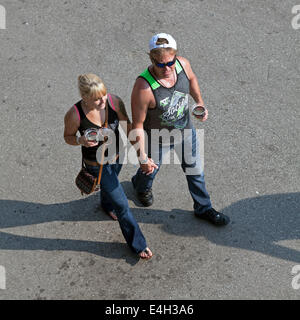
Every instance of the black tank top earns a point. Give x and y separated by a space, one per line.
85 123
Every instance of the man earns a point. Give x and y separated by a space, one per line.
159 101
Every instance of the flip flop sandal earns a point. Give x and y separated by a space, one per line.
147 252
107 212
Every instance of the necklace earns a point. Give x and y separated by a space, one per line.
166 83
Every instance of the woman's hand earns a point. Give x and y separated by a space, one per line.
148 167
87 143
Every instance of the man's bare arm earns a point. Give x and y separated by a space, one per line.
194 85
140 99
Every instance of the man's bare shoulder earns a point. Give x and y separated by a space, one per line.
141 84
142 96
184 62
186 66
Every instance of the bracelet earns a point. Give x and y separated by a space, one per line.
77 140
144 161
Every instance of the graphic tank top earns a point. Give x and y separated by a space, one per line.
172 110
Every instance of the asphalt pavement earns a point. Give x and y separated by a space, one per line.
56 244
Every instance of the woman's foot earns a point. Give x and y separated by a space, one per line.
146 254
110 214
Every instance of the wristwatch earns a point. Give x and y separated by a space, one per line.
144 161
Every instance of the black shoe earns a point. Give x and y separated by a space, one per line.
215 217
146 198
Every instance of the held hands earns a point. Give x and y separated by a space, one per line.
148 167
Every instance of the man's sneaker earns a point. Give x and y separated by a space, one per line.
146 198
215 217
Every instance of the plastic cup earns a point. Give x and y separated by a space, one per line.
91 134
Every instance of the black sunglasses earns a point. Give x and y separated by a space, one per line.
168 64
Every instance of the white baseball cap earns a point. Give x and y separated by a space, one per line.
172 43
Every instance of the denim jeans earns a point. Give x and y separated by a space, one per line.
114 198
189 154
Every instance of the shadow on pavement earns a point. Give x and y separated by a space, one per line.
257 224
19 213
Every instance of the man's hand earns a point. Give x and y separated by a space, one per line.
202 118
148 167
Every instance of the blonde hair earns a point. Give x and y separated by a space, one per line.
90 85
158 52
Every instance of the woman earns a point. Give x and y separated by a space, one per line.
90 112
